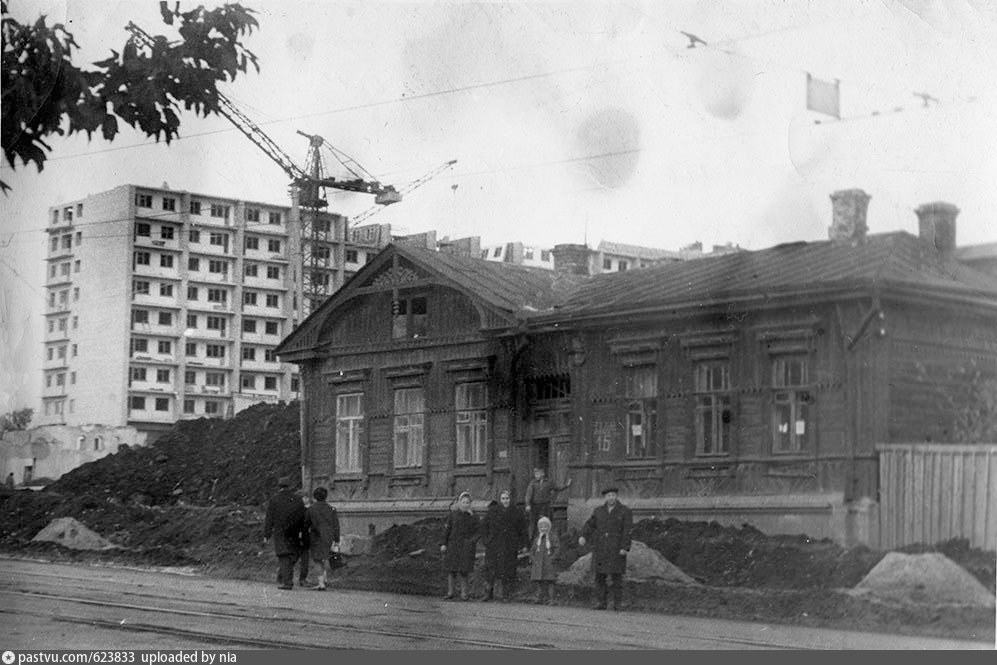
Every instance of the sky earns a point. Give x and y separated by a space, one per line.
570 122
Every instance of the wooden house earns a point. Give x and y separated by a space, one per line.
751 387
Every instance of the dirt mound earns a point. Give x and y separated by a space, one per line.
207 461
403 539
67 532
929 578
643 565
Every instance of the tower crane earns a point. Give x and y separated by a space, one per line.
312 231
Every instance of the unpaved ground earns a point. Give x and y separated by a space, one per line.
195 499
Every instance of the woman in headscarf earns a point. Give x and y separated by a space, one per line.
504 533
460 538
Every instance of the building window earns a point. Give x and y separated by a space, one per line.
252 214
60 379
62 323
75 350
76 293
269 356
137 403
67 241
72 378
143 258
219 239
218 210
409 427
140 316
273 245
216 379
64 269
252 242
274 218
321 252
217 323
791 401
248 382
162 404
249 298
166 290
140 287
166 318
165 346
623 265
191 293
140 345
217 295
351 256
190 349
607 264
349 431
273 300
166 232
76 265
249 325
53 244
711 384
556 386
193 264
138 373
471 401
195 208
143 200
192 320
194 236
272 327
162 376
188 406
641 391
165 260
76 322
248 353
79 238
220 267
295 383
408 316
273 272
214 350
211 407
270 383
251 270
189 378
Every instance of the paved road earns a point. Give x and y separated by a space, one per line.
57 606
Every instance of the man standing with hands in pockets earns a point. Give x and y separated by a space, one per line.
609 531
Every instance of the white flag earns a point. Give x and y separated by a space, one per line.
822 96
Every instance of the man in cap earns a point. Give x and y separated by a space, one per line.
285 523
609 531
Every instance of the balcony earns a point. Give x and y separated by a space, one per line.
54 391
155 242
206 277
262 311
206 248
153 299
156 270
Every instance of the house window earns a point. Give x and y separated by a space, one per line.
557 386
713 413
641 388
76 322
273 272
251 270
138 373
166 318
190 349
211 407
194 236
219 239
140 316
162 376
142 258
249 298
272 327
193 264
351 256
273 246
607 264
220 267
76 265
72 378
170 204
219 211
165 260
252 214
195 208
214 350
67 241
67 213
75 349
192 320
166 290
270 383
409 427
137 403
64 269
217 295
269 356
791 401
249 325
249 353
274 218
188 406
273 300
143 200
165 346
140 287
140 345
54 244
162 404
349 431
216 379
408 318
248 382
189 378
79 238
166 232
191 293
321 252
623 265
252 242
295 383
76 293
471 402
217 323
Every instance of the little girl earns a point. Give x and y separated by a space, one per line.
542 571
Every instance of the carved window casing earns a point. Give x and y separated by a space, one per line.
471 415
641 388
349 432
409 427
792 399
711 383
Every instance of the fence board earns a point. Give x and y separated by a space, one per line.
930 492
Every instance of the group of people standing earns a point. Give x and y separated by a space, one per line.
507 533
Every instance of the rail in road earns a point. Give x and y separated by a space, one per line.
214 613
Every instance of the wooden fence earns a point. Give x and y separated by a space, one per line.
931 492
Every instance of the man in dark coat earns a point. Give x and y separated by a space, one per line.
285 523
504 533
609 531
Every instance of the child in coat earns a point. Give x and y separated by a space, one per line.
542 552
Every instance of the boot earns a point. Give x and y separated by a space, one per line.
489 587
549 593
450 587
601 592
498 588
463 587
617 596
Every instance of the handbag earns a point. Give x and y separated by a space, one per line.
336 560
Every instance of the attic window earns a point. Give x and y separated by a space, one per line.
408 318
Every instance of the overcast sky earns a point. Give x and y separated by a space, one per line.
570 122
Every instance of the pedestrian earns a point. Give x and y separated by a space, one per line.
10 480
459 543
322 526
542 565
285 524
504 534
304 557
539 495
609 530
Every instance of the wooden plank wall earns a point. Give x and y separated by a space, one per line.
932 492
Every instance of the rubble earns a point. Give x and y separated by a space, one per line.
67 532
643 565
929 578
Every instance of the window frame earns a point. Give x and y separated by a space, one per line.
351 424
472 424
409 427
790 396
713 401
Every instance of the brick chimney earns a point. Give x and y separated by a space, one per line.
572 259
848 210
936 225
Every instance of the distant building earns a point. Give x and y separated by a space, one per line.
607 257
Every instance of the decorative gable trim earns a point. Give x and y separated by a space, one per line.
796 339
637 350
407 371
347 376
707 345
